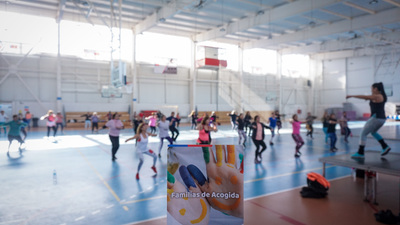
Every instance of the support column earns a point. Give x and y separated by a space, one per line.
279 72
240 69
193 76
135 92
59 98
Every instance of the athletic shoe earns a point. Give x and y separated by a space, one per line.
297 155
244 145
357 156
159 155
137 176
154 169
257 161
385 151
271 143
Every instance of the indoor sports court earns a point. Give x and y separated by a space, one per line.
98 99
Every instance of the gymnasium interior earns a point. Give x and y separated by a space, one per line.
136 58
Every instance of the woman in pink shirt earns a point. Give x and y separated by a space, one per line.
152 122
115 125
296 134
50 123
204 131
258 137
59 122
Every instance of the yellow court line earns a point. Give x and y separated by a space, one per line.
100 177
142 200
286 174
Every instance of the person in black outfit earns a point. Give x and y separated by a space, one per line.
241 132
136 122
233 116
247 123
278 121
193 115
172 127
332 131
258 138
377 101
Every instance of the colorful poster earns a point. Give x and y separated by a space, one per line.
205 185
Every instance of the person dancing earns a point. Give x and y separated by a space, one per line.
13 134
343 122
204 131
163 126
59 122
241 132
193 116
278 121
325 124
258 138
377 101
296 134
115 125
50 123
152 122
172 127
247 123
272 124
141 149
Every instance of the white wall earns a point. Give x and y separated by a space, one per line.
81 82
354 76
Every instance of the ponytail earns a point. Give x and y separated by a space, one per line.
381 89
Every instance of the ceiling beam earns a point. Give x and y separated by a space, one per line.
335 14
167 11
362 22
359 7
392 2
275 14
336 45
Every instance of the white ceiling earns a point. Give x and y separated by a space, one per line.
292 26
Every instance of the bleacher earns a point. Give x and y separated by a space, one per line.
223 117
79 120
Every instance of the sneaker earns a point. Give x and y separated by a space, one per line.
357 156
154 169
137 176
159 155
271 143
385 151
257 161
244 145
297 155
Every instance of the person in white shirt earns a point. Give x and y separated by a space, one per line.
3 120
163 126
142 137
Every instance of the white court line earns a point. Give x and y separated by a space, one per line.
110 206
80 218
95 212
11 221
132 196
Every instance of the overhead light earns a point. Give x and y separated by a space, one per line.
261 12
162 20
222 29
373 2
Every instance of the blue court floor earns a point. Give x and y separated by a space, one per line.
88 188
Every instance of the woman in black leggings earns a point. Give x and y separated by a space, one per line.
258 138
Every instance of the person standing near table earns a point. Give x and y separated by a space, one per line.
377 101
